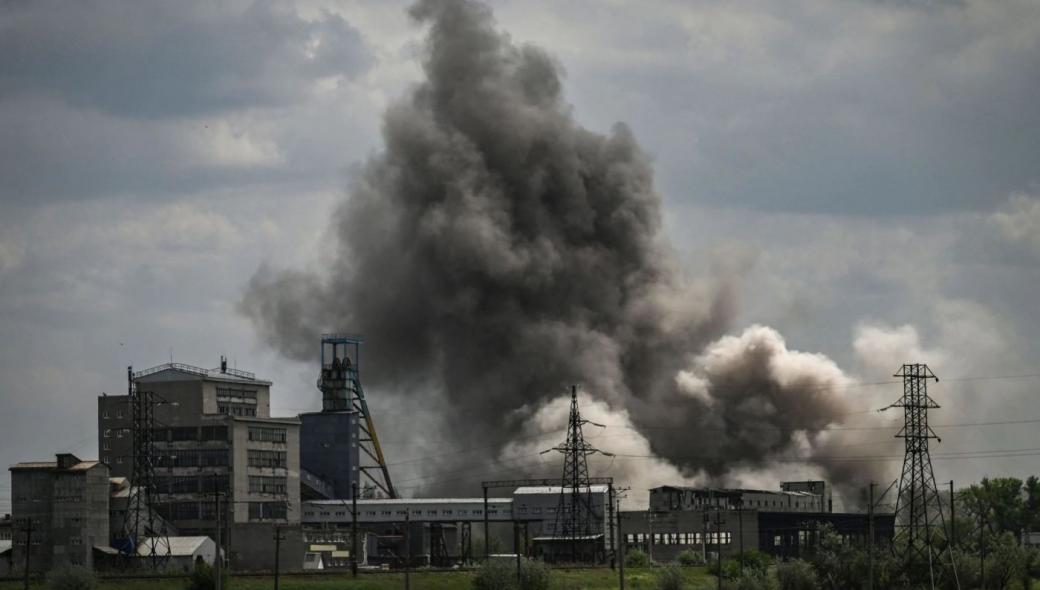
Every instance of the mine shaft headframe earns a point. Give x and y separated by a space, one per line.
341 372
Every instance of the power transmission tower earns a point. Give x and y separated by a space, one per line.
919 516
574 512
142 521
340 385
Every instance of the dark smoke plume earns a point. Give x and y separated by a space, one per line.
497 252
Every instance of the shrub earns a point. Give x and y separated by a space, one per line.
495 575
636 558
534 575
670 578
796 575
689 557
750 580
756 561
71 577
204 577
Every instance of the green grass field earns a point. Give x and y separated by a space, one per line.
582 579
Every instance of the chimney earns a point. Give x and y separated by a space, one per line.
223 364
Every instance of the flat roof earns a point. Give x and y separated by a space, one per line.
595 489
734 491
52 466
405 501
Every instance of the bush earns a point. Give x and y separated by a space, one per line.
495 575
796 575
751 580
756 561
204 577
689 557
636 558
670 578
534 575
71 577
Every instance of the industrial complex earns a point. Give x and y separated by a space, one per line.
193 467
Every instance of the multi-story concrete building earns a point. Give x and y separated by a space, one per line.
59 511
215 440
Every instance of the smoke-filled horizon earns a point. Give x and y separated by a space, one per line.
496 252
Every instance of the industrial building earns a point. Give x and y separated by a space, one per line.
782 523
214 441
60 512
440 530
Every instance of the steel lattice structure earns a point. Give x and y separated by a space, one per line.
574 512
919 516
141 520
340 385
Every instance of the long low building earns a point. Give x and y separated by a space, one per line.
440 531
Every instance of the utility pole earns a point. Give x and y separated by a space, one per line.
718 541
516 548
982 550
278 538
28 549
953 516
870 538
353 530
621 549
407 550
487 536
650 543
704 540
740 530
219 561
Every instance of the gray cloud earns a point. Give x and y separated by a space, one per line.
161 59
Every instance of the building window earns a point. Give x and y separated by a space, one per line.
210 433
184 433
108 433
268 511
261 434
104 414
119 412
259 484
271 459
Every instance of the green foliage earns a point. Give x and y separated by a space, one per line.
204 578
534 575
756 561
838 564
670 578
689 558
636 558
796 575
1030 565
1004 561
72 577
750 580
495 575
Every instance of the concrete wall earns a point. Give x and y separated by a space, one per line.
251 547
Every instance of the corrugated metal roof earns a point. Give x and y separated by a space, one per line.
52 465
5 546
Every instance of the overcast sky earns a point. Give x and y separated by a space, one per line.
870 171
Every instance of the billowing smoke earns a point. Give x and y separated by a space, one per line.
496 252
